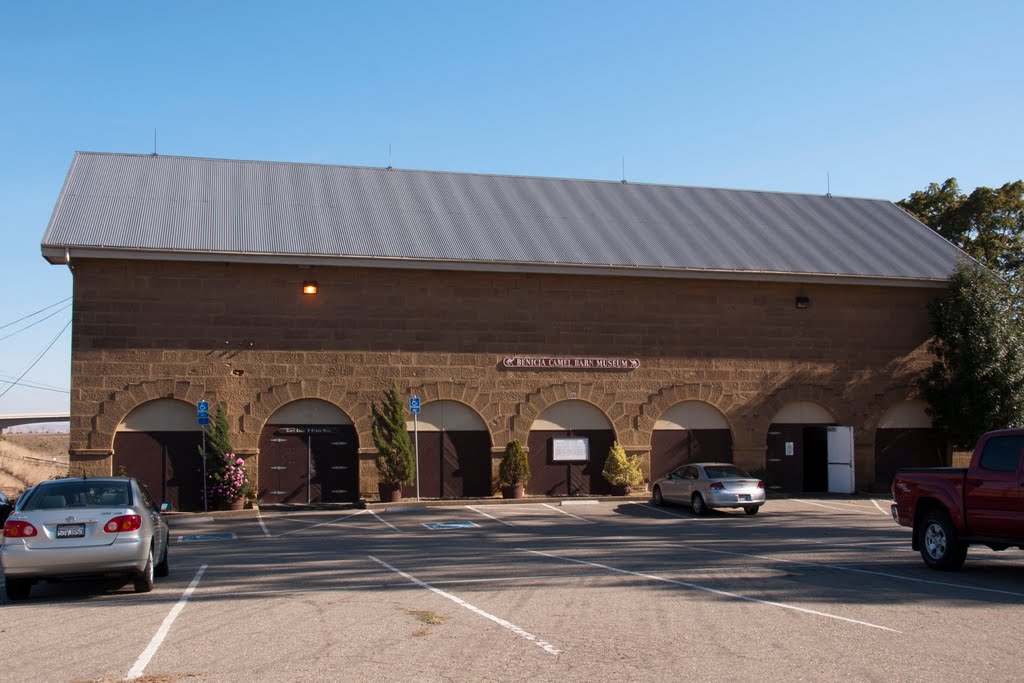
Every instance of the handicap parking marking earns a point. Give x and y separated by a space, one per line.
847 508
444 526
696 586
587 521
319 524
190 538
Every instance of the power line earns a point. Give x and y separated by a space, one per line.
36 313
35 323
7 379
30 385
37 359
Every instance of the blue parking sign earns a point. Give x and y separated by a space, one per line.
414 404
203 412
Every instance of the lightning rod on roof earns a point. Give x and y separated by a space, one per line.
154 142
623 170
828 184
389 157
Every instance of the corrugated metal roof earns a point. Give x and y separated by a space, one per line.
186 205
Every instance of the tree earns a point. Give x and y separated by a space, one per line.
977 381
988 224
396 461
218 439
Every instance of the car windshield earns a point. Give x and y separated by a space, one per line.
80 494
726 472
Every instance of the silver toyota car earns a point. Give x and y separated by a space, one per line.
708 485
69 528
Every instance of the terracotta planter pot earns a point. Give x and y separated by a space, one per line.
513 491
389 493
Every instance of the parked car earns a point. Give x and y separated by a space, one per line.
951 508
709 485
6 506
84 527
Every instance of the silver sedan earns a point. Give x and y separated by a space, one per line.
84 527
708 485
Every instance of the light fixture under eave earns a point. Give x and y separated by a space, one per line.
803 302
310 287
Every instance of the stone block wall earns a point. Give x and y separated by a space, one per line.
244 334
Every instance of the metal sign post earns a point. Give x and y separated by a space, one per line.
203 417
414 408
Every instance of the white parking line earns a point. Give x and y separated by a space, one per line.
165 627
382 520
695 586
333 521
481 512
665 512
885 512
259 516
843 568
567 513
849 508
544 645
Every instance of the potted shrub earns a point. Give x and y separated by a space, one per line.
396 461
227 481
514 471
622 471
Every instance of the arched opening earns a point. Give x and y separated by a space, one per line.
690 431
569 443
454 451
797 448
158 443
905 438
309 453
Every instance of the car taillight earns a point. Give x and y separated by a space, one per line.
717 486
123 523
15 529
760 484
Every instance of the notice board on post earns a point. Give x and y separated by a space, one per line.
570 450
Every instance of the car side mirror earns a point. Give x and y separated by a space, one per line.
166 507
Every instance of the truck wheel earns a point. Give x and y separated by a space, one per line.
940 546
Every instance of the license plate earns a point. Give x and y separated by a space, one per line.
743 496
70 531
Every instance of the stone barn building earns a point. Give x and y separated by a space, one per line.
781 332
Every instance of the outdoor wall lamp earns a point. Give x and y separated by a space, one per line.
803 302
310 287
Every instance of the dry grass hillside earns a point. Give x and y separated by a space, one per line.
27 459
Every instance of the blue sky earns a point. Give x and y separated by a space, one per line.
885 97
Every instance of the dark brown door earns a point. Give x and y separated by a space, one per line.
453 464
168 463
335 463
785 466
673 448
549 478
288 451
896 448
283 465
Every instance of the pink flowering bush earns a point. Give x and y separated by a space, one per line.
229 483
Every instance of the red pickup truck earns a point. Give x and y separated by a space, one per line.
950 508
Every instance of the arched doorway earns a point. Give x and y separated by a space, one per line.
560 438
690 431
454 451
159 443
905 438
797 447
309 453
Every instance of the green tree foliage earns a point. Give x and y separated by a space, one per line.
620 469
977 381
988 223
514 469
218 440
396 461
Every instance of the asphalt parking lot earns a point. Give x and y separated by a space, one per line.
818 589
